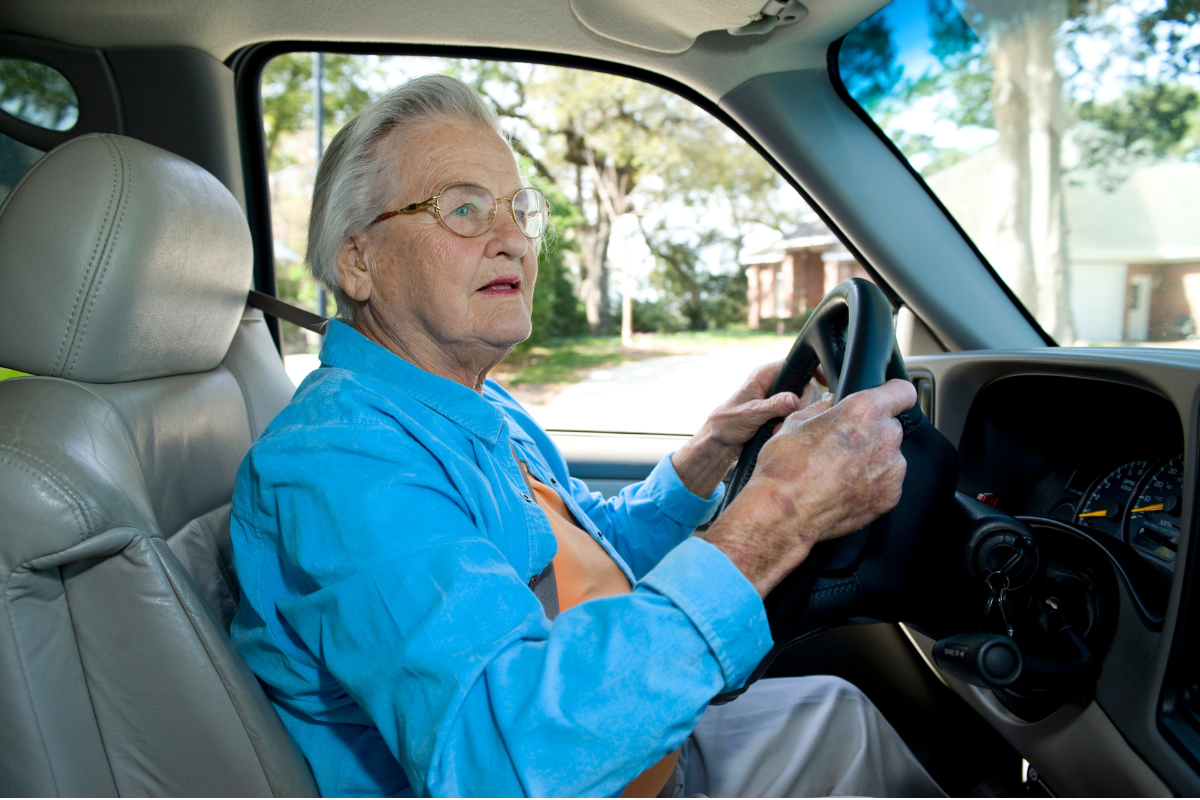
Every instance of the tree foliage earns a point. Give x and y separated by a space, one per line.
606 151
37 94
287 96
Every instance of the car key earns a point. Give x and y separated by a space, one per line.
1005 609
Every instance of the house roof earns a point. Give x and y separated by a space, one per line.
1150 217
811 233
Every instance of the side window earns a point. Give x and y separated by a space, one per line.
36 94
679 259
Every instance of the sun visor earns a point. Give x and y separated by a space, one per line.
665 26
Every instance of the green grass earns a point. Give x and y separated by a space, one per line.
570 360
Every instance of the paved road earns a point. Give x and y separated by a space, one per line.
672 394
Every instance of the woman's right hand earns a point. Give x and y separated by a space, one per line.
827 472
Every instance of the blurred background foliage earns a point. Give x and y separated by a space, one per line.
37 94
653 199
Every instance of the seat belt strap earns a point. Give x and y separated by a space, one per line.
287 312
544 586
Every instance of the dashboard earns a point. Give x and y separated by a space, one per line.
1101 455
1093 449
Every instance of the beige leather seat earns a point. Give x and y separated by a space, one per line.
123 276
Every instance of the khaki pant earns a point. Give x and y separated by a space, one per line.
799 737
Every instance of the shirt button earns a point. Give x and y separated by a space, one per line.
552 480
533 581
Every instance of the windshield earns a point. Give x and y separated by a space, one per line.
1064 137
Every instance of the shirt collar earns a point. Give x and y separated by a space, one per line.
346 348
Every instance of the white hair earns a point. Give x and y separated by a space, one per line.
352 185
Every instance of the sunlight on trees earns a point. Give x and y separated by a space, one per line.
1017 111
628 168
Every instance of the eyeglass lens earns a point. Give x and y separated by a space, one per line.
469 210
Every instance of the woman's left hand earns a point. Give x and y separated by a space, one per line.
703 462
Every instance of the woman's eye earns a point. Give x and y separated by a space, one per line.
465 210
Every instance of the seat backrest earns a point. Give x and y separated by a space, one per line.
123 276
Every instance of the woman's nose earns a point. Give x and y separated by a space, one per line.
506 237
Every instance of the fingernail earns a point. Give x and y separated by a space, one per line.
827 397
792 402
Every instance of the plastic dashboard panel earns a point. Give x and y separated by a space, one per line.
1094 749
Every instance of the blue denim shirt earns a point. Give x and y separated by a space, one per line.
385 541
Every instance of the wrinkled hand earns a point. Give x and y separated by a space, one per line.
828 471
703 462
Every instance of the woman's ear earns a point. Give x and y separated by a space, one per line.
353 274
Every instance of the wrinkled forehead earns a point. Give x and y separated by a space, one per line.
422 157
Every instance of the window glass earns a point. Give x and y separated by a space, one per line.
37 94
1065 139
15 160
678 261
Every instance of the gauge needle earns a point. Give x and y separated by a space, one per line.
1155 507
1094 514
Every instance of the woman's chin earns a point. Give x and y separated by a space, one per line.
510 335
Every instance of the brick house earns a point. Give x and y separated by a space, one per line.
1133 248
789 278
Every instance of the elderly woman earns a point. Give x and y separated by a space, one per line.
436 607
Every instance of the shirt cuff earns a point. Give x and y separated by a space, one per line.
676 501
722 605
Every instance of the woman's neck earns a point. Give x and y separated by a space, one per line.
465 363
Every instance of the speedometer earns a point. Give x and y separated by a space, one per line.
1153 524
1104 505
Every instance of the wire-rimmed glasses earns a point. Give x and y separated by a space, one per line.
469 209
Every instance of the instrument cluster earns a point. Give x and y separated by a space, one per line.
1140 503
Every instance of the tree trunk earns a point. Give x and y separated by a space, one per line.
593 283
1012 252
1028 207
593 250
1047 233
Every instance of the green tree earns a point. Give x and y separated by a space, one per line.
287 95
618 147
37 94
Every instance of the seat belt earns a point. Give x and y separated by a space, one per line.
544 586
275 307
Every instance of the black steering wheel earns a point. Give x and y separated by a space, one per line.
878 573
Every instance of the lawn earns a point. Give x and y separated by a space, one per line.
565 361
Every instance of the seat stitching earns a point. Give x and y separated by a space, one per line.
91 262
77 511
64 483
111 247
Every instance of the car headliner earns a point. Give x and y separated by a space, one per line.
713 64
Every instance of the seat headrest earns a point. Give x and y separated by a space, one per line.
118 262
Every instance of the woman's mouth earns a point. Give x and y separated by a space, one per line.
504 285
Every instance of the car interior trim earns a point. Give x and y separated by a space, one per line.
89 74
1130 688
